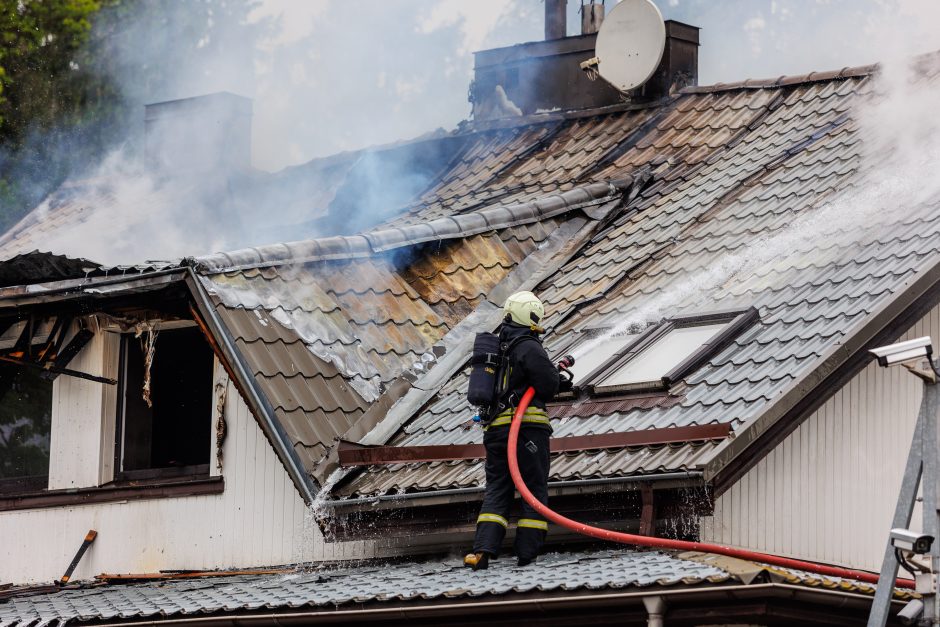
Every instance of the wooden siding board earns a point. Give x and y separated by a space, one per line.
77 410
109 368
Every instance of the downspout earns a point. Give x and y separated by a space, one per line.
257 401
689 475
656 608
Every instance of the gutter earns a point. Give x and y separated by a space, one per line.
17 296
257 401
552 485
837 599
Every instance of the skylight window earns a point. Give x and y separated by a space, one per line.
661 355
602 351
667 352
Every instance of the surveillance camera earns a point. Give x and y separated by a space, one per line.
908 540
903 351
911 612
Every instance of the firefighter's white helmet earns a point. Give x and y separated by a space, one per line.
525 308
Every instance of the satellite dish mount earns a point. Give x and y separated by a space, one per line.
629 45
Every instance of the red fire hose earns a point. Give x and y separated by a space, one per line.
662 543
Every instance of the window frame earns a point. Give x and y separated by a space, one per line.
14 486
736 320
192 472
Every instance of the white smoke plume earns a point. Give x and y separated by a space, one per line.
332 76
901 156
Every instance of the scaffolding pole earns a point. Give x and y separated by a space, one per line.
922 463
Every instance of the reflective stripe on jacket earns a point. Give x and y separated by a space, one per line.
532 415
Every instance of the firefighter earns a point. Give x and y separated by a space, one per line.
526 364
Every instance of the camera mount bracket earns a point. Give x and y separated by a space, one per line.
923 467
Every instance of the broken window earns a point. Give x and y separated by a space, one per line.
165 404
25 426
667 352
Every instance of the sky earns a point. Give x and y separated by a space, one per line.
336 76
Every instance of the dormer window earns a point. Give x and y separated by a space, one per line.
661 355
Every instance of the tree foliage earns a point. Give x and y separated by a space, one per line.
25 422
40 79
75 75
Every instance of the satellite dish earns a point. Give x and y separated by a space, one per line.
629 45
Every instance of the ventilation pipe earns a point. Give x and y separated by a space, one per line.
556 22
592 16
664 543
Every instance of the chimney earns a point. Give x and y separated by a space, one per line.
679 65
546 75
556 21
592 16
198 135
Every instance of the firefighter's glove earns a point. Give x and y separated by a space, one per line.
565 385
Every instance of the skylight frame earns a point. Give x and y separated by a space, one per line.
736 321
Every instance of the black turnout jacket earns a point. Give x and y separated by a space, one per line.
529 366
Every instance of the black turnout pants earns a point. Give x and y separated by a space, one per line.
533 456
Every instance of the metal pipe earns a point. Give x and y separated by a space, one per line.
258 403
592 16
66 371
656 608
662 543
544 605
556 20
365 500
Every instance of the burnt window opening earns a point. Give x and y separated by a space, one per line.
171 436
25 429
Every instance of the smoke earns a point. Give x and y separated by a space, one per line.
900 131
766 38
331 77
322 81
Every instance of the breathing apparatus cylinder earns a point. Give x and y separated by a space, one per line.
484 371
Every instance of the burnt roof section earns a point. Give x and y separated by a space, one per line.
36 267
325 326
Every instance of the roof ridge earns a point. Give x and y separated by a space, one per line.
858 71
379 240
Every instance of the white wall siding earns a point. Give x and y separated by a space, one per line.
258 520
82 442
828 491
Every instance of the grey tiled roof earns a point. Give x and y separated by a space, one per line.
372 585
326 325
345 586
323 338
755 203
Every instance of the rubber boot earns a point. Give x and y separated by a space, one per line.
477 561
